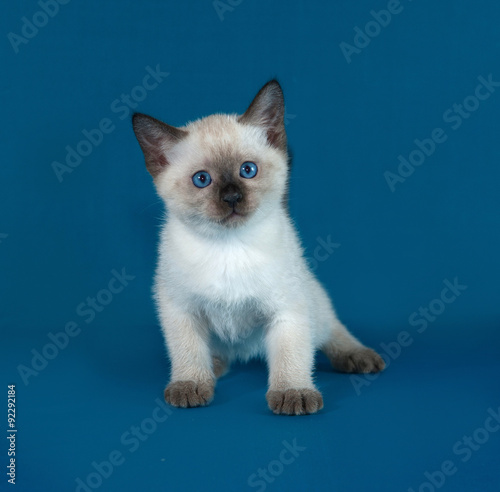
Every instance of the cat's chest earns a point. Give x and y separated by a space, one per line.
231 272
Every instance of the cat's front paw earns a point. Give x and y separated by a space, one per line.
187 394
362 360
294 401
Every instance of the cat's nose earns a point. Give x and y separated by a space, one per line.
232 198
231 194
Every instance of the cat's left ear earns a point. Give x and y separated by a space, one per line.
156 140
268 110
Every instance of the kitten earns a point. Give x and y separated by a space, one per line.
231 280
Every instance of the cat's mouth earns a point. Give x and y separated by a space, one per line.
233 216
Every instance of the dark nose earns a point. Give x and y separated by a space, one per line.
232 198
231 195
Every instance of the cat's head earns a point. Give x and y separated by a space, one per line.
224 169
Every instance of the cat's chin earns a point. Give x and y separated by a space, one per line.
211 224
234 219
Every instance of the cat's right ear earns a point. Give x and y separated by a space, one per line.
268 111
156 140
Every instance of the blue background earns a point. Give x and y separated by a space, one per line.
347 124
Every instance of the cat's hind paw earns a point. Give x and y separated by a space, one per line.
220 366
361 360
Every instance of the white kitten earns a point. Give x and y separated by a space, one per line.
231 280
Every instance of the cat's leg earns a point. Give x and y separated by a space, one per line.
290 357
347 353
192 378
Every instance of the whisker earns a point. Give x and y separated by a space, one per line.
150 205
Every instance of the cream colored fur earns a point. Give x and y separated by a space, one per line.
244 290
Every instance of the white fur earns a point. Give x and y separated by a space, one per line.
248 293
242 291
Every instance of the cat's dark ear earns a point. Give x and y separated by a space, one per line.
156 139
268 110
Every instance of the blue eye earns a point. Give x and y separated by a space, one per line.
248 170
201 179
